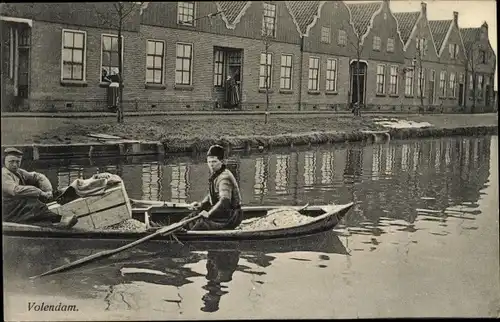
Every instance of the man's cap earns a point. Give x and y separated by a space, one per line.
216 151
12 151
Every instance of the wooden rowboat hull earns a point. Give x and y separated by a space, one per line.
330 217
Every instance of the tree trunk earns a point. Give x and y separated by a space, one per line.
358 88
119 112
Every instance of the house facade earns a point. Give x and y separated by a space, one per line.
298 55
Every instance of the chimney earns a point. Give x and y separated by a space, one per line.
424 8
455 17
485 25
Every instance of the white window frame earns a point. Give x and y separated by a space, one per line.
442 78
282 77
377 43
412 78
220 63
102 51
162 62
270 76
190 24
390 49
11 53
452 84
317 77
275 19
191 64
335 75
84 57
396 67
326 35
421 78
383 66
342 37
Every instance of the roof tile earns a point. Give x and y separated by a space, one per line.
406 22
362 14
303 12
469 36
231 9
439 29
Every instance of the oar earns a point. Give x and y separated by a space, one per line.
162 231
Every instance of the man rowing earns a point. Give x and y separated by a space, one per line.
21 194
221 208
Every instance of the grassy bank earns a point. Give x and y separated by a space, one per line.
197 133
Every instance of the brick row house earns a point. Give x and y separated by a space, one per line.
181 55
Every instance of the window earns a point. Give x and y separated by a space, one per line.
409 82
421 45
154 62
480 87
325 35
482 56
380 79
313 84
390 45
331 75
453 49
183 64
286 72
442 84
73 55
393 81
185 13
377 42
263 65
471 82
421 83
269 21
109 62
342 39
452 85
218 67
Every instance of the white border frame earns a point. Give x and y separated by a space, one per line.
84 55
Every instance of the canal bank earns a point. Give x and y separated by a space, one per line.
47 138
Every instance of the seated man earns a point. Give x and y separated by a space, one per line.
221 208
20 192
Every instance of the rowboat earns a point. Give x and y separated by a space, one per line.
324 218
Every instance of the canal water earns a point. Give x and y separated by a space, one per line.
421 241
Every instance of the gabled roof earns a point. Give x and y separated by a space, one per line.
439 29
362 14
233 10
469 36
406 23
303 12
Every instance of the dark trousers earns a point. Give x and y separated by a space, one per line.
28 211
234 220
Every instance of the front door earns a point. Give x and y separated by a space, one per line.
227 78
461 89
488 95
358 77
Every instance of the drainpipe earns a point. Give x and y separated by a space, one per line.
300 70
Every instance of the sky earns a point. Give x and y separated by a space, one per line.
471 13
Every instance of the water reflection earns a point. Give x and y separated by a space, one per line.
221 266
391 180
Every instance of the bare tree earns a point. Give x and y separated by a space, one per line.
469 62
267 36
116 17
357 45
421 51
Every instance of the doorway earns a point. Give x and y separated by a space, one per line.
354 72
227 79
461 90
